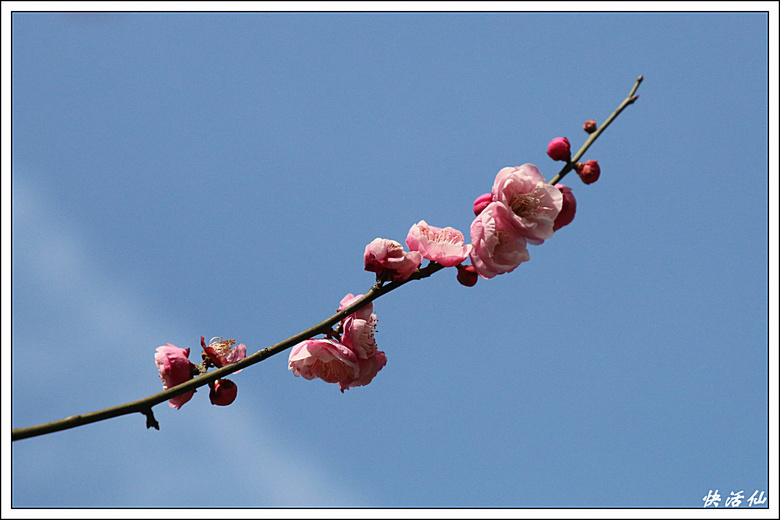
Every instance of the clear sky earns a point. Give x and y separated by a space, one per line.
219 174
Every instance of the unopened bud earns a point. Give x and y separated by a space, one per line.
590 172
589 126
467 275
559 149
482 202
223 392
569 208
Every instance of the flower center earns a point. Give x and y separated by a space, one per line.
501 236
221 347
525 204
370 329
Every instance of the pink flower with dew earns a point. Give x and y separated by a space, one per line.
534 204
326 359
221 353
223 392
568 209
497 245
388 256
442 245
175 368
368 370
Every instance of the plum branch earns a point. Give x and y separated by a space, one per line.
382 287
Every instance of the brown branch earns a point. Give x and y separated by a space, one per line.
145 405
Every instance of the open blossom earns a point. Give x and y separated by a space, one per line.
324 358
497 245
221 352
388 256
359 327
534 204
442 245
352 360
368 368
175 368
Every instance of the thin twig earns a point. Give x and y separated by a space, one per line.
570 165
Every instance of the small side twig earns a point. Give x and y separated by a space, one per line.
151 422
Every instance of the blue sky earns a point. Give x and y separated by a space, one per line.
219 174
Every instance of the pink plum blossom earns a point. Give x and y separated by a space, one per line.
442 245
175 369
221 353
388 256
534 204
352 361
568 209
368 370
223 392
358 328
324 358
497 245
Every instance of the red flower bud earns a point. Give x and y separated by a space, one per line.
482 202
569 208
559 149
589 126
467 275
223 392
590 171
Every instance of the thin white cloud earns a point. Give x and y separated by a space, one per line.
56 255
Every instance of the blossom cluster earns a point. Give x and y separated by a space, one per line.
175 368
522 208
350 359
